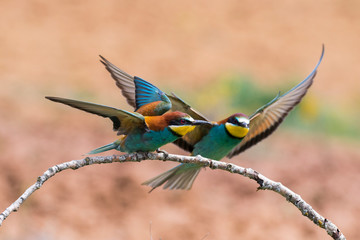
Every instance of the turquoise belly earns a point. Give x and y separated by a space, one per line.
148 141
217 144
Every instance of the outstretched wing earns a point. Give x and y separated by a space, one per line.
179 105
124 122
146 93
123 80
267 118
128 88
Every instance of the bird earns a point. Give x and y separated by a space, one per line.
226 138
137 133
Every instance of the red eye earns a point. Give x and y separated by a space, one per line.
182 121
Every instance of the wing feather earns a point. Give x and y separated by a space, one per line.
188 141
123 80
180 105
146 93
127 85
267 118
123 121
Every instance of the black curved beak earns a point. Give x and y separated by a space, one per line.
201 122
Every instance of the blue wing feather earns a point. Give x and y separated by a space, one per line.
146 93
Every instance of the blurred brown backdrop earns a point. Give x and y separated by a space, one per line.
52 48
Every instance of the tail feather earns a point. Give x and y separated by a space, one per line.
183 180
104 148
179 177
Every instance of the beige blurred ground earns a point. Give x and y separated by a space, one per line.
50 48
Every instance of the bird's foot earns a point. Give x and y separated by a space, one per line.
166 154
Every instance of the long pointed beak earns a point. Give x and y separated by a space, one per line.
201 122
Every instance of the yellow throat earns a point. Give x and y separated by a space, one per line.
236 131
182 130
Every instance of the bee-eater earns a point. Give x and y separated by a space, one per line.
138 133
227 137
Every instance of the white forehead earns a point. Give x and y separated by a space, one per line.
243 119
189 118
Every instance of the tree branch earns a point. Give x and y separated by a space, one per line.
264 182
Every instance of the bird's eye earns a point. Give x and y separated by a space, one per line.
182 121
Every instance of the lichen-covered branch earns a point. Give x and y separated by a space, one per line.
264 182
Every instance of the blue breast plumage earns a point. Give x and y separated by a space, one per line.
217 144
148 141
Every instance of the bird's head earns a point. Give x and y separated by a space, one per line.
237 125
181 123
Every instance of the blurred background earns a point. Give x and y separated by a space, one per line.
220 56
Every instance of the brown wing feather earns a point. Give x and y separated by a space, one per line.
123 80
188 141
126 83
181 143
124 122
266 119
179 105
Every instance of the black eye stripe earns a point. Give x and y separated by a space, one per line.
235 121
181 121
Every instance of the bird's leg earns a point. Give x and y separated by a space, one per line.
166 154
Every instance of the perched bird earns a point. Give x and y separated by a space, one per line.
138 133
150 100
227 137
